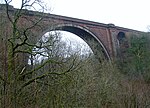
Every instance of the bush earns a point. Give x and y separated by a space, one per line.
136 63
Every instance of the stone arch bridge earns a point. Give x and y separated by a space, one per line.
102 38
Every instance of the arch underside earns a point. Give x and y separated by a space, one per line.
95 44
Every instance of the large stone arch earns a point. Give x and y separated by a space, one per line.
90 38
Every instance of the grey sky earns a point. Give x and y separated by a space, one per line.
132 14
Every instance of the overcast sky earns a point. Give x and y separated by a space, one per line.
134 14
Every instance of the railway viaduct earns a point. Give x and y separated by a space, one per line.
104 39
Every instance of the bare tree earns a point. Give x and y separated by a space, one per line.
17 47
